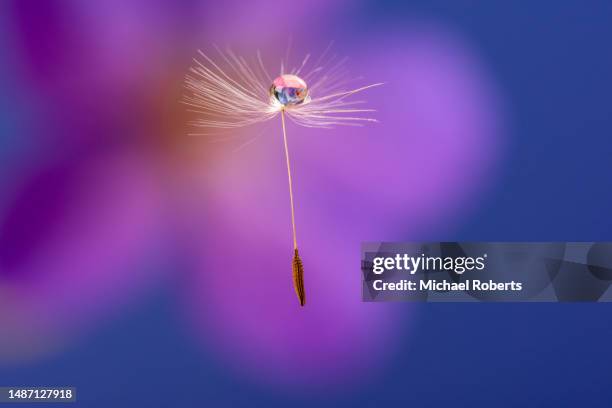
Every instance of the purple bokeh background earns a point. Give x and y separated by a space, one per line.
104 181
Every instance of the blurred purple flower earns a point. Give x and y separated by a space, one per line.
76 222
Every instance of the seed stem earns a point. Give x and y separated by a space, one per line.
296 264
290 180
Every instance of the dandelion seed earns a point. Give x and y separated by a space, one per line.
244 94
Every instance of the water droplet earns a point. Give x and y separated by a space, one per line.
289 90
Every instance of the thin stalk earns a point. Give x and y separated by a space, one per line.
296 264
290 180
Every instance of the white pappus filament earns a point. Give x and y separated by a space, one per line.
232 93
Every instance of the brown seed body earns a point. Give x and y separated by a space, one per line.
298 278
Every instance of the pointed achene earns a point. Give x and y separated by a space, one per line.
298 278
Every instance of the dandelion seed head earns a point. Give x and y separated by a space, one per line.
241 95
232 92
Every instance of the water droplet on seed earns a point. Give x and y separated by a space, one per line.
289 90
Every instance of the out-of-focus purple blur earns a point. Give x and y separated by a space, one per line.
101 182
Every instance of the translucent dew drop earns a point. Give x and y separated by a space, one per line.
289 90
